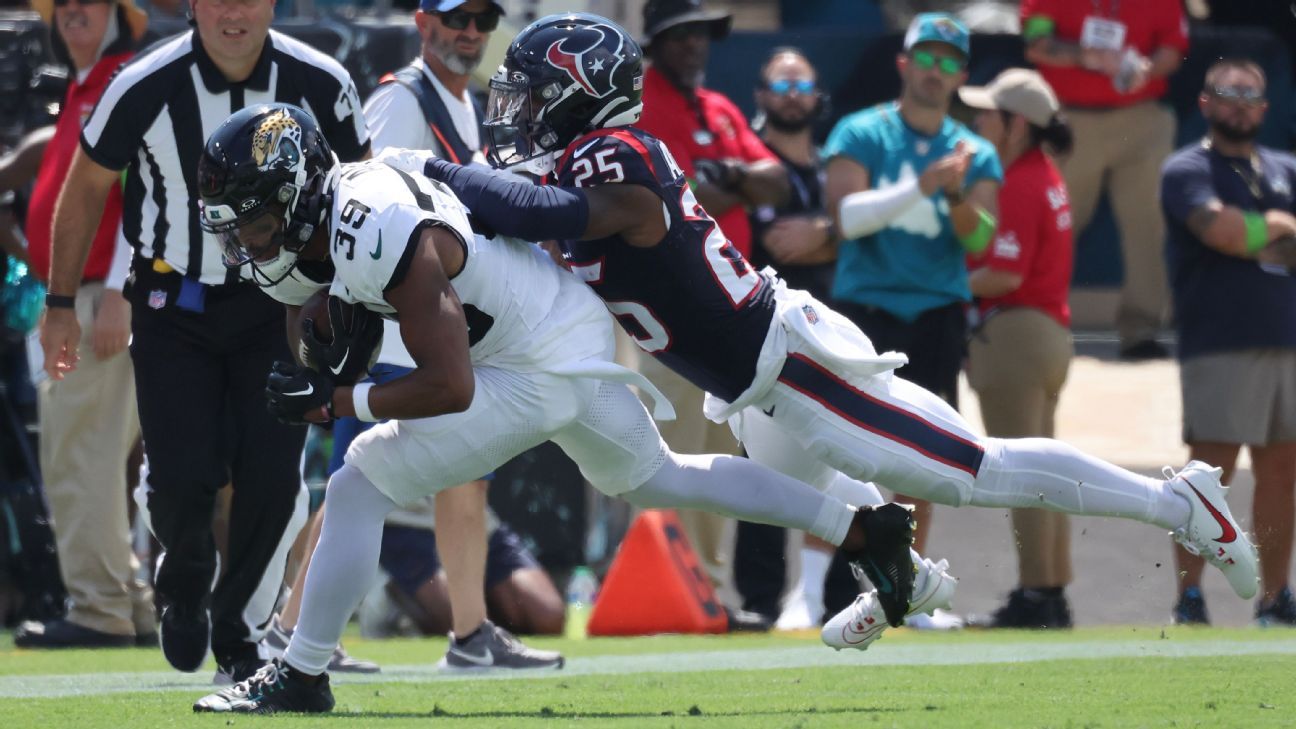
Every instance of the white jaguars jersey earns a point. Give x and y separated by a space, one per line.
507 287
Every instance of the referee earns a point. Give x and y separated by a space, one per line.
202 340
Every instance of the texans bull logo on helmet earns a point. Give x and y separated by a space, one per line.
584 57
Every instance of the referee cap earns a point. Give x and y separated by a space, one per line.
136 19
1017 90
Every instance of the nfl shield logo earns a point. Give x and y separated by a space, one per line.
157 299
811 315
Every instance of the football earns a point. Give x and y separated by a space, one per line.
338 339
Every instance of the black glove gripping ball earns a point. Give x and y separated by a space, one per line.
293 392
339 340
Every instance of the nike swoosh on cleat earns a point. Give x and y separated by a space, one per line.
338 370
1228 533
849 632
485 659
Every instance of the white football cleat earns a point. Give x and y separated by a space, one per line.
798 613
1211 531
863 621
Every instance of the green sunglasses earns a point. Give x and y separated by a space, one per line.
926 60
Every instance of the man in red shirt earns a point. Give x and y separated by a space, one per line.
1108 61
731 172
89 421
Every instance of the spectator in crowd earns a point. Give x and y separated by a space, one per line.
799 239
1021 348
730 171
88 420
914 190
1229 208
427 105
1109 61
203 341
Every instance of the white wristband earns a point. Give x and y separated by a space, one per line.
868 211
360 401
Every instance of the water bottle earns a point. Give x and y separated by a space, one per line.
22 296
582 590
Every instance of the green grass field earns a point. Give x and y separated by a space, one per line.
1145 677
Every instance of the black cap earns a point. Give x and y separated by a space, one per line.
659 15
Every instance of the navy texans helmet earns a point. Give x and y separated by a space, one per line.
562 76
263 178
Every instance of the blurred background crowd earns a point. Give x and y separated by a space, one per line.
1060 114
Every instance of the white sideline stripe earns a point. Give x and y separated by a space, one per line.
89 684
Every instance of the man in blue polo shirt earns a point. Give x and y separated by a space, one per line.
1228 204
913 191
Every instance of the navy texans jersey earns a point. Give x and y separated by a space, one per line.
692 300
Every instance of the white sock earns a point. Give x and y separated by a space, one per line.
1045 473
341 568
814 568
855 492
743 489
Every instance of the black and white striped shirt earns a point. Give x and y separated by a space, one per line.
154 119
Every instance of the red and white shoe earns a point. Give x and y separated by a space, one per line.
863 621
1211 531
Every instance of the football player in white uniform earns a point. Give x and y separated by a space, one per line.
511 351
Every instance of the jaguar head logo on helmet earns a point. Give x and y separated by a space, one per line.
264 181
562 76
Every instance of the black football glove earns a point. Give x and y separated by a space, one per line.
293 392
357 336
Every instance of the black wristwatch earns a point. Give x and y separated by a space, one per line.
59 301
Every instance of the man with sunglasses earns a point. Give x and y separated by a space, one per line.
1109 62
89 422
913 191
1229 204
731 172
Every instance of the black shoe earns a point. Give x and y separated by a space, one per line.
885 559
1148 349
61 633
1191 608
272 689
1028 609
1282 611
185 633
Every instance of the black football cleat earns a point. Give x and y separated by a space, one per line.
271 690
185 632
885 558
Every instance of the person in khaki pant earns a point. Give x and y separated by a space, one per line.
89 421
1018 357
1109 62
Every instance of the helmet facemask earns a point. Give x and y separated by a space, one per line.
516 125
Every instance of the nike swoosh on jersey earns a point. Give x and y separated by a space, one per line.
485 659
377 251
338 370
581 151
1227 532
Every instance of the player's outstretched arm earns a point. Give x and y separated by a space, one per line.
517 208
434 330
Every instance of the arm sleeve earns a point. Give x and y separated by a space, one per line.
513 207
1185 186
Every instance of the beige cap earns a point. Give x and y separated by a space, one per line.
1017 90
137 19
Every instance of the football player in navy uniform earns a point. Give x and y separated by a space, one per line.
510 349
796 380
